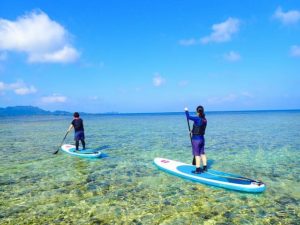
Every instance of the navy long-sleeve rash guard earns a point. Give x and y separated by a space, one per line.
197 121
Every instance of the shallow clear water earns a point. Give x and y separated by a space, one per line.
124 187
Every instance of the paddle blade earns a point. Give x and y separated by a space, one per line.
61 143
56 151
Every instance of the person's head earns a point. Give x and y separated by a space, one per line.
200 111
76 114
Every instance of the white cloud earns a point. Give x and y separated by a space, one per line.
247 94
19 88
2 86
41 38
223 99
230 98
295 51
25 90
289 17
55 98
222 32
65 55
94 98
232 56
188 42
158 80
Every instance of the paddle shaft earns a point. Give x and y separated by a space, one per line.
187 120
189 127
61 142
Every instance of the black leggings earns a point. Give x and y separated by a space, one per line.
82 142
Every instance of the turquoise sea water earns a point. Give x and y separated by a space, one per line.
124 187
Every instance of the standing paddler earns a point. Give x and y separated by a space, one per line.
197 138
77 124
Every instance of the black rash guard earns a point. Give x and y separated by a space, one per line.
78 124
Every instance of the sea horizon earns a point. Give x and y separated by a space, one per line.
162 112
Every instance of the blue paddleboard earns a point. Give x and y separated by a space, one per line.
211 177
87 153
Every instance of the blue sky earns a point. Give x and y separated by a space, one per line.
150 56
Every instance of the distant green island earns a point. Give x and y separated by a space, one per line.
28 110
33 110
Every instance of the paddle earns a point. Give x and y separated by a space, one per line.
61 142
187 120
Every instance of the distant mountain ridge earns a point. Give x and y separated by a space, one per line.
32 110
28 110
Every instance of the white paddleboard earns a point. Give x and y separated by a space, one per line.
87 153
211 177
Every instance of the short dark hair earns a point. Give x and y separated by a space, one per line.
200 109
76 114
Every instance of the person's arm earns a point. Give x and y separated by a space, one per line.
193 118
70 127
